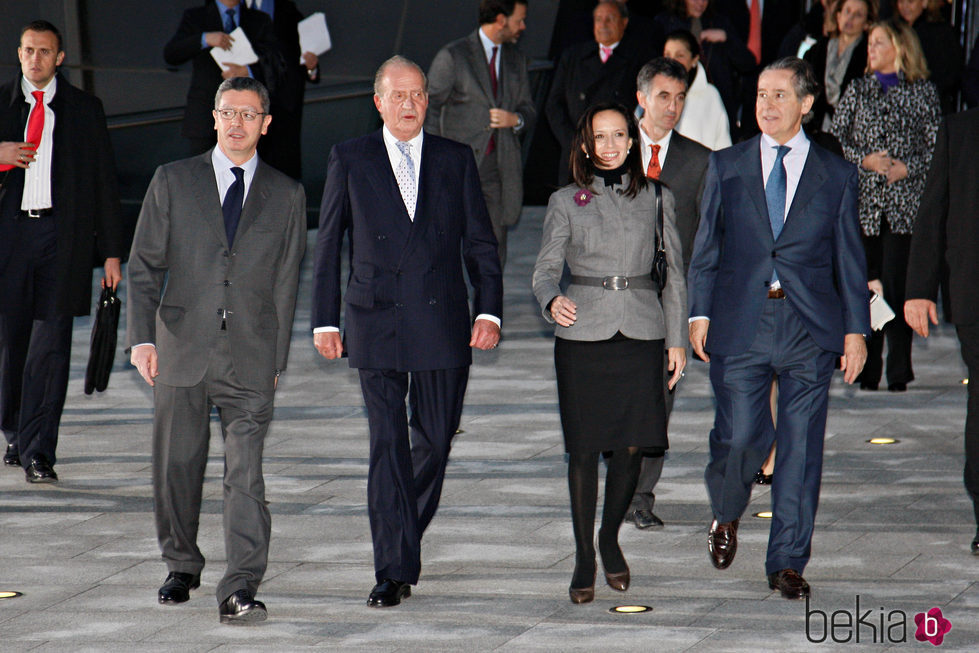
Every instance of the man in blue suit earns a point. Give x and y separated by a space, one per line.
411 202
777 286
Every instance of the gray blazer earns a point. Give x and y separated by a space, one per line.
612 235
182 273
460 97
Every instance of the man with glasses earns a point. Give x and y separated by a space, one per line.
213 273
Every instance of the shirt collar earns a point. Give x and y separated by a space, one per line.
220 161
488 44
647 140
392 142
27 87
796 143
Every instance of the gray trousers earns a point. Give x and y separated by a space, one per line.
489 179
181 432
652 466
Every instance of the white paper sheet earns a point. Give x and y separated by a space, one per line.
314 35
241 51
880 312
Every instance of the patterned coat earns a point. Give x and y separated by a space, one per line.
904 122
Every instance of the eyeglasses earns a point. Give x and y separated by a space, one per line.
246 115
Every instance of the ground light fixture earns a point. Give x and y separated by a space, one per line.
9 594
764 514
883 441
630 609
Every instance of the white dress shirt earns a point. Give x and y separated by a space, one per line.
224 177
37 178
394 156
647 153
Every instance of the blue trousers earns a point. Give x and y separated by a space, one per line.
744 430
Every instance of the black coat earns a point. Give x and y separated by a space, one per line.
816 56
946 231
777 18
206 76
942 51
84 191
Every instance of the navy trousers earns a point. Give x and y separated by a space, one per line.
744 430
407 465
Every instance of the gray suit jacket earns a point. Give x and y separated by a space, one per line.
460 97
612 235
182 272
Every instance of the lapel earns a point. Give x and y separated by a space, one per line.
674 157
258 194
749 167
427 187
381 178
480 68
813 177
205 191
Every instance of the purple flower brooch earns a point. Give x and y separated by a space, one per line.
583 196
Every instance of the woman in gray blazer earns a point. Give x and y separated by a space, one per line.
611 325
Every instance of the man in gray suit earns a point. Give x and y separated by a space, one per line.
479 95
212 291
681 164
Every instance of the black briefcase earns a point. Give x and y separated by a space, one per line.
103 349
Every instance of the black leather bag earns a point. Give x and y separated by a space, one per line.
659 258
103 348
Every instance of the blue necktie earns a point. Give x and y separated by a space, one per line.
775 195
232 204
230 21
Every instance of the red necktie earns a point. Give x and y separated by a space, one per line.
495 83
653 169
754 30
35 124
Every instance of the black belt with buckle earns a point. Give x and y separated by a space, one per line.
615 282
33 214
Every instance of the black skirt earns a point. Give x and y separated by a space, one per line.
611 394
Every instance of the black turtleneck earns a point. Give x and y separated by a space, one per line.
611 177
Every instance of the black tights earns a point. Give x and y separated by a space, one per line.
620 484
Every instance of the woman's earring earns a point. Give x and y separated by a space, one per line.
586 155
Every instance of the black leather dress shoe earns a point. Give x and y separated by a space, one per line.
241 608
387 593
11 458
40 471
975 544
722 543
898 387
644 519
176 588
790 583
761 478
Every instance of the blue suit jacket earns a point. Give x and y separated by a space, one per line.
819 255
407 301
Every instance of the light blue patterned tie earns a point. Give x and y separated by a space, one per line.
775 195
405 174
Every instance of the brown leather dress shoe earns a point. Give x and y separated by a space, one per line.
790 583
722 543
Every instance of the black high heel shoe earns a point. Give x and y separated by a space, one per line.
761 478
582 594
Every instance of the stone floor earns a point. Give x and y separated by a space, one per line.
893 528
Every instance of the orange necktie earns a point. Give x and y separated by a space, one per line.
653 169
754 30
35 124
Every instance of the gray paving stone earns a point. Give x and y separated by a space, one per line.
893 526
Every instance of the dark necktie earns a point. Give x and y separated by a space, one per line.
230 22
775 191
232 204
495 84
35 124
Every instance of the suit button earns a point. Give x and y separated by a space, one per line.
773 254
227 283
381 237
432 301
399 305
224 254
397 272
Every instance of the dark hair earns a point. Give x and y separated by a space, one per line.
836 6
803 79
490 9
688 39
679 8
660 66
42 26
243 84
621 6
582 168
